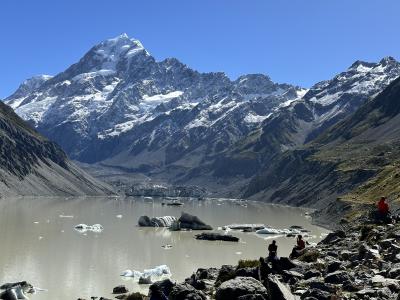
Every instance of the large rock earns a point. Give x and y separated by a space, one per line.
316 294
186 292
226 272
188 221
165 286
240 286
333 237
338 277
248 272
121 289
277 290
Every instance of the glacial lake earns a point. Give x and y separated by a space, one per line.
38 242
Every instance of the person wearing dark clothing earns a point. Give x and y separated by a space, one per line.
300 243
273 251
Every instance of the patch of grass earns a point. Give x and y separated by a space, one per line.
248 263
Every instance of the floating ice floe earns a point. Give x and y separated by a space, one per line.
244 227
274 231
83 228
66 216
157 272
18 290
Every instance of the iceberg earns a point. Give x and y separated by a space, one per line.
157 272
82 228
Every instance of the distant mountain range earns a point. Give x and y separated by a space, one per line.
120 108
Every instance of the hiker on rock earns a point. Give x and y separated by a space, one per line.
272 251
383 213
299 248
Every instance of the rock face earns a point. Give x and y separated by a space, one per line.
240 286
32 165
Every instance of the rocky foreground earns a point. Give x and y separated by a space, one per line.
358 262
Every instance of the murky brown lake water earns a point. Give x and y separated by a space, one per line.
39 246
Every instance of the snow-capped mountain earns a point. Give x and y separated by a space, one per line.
118 102
120 107
323 105
293 125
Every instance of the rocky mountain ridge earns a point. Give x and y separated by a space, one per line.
31 165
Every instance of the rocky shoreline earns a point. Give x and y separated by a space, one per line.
360 261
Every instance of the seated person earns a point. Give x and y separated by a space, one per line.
299 248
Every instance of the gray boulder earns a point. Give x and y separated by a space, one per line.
121 289
240 286
186 292
338 277
277 290
164 286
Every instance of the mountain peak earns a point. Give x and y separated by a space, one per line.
29 85
119 44
387 60
108 53
360 65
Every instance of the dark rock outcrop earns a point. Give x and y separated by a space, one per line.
188 221
185 292
216 237
240 286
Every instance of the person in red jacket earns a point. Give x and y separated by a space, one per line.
383 206
383 211
299 248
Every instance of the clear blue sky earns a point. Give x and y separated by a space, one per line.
294 41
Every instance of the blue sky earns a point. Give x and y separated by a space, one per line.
294 41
